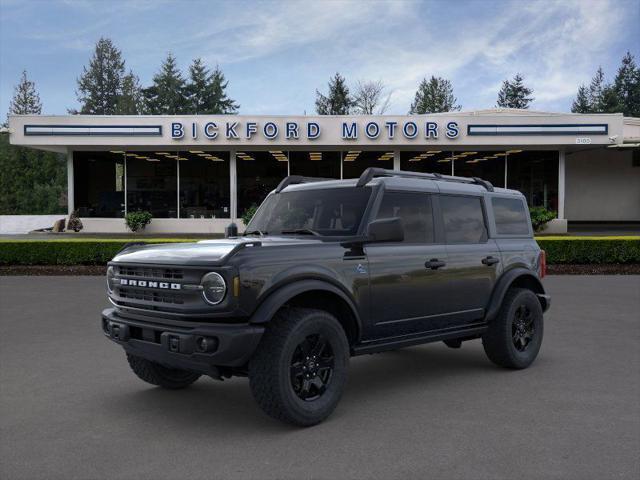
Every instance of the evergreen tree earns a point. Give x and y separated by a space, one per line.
25 99
130 101
100 85
514 94
627 86
338 101
31 181
581 104
167 95
218 100
434 95
206 91
596 91
196 89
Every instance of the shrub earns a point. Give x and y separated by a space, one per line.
74 222
540 216
249 213
137 220
591 250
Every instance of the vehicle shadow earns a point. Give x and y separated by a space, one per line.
229 405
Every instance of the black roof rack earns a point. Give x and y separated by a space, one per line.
296 179
373 172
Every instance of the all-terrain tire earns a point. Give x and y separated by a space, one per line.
273 370
503 343
156 374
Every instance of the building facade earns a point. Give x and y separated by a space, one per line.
195 174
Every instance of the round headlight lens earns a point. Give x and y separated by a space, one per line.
214 288
111 273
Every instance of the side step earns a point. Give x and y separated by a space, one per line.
474 329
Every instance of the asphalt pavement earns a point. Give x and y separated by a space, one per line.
71 409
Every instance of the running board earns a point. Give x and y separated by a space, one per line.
475 329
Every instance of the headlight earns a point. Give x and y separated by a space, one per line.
214 288
111 273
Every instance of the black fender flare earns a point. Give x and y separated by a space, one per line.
281 295
506 280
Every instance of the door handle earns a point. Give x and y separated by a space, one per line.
488 261
434 264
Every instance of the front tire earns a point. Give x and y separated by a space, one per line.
156 374
299 370
514 337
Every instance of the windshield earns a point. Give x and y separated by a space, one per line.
330 212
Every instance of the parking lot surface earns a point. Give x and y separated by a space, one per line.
71 409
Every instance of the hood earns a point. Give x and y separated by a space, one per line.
205 252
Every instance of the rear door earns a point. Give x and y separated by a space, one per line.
408 285
473 258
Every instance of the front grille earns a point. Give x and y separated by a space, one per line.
150 295
151 272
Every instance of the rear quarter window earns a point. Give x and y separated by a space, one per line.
511 216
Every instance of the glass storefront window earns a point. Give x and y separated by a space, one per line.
152 183
354 162
258 173
204 184
315 164
99 184
535 174
488 165
427 161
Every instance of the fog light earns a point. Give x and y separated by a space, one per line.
206 344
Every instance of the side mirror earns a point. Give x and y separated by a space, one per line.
386 230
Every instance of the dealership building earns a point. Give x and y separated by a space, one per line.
197 173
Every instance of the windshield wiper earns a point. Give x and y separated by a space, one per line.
255 232
301 231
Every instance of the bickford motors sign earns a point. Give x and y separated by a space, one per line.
294 130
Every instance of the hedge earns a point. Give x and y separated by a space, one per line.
75 251
78 251
590 250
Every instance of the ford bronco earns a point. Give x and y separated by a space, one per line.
326 270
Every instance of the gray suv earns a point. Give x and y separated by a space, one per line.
326 270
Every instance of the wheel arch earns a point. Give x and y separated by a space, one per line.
519 278
312 293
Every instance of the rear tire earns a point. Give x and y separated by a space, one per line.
299 370
514 337
156 374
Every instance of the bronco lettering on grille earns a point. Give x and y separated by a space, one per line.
148 284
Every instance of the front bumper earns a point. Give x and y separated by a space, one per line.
180 344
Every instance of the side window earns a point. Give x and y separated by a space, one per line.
414 209
511 216
463 219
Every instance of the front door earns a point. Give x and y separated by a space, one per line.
408 283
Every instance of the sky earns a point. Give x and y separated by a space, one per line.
276 54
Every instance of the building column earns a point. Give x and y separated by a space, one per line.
233 186
559 225
396 159
70 183
561 182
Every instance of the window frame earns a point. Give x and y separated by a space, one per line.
438 232
494 225
485 218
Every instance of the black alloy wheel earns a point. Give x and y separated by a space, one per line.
312 367
522 328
